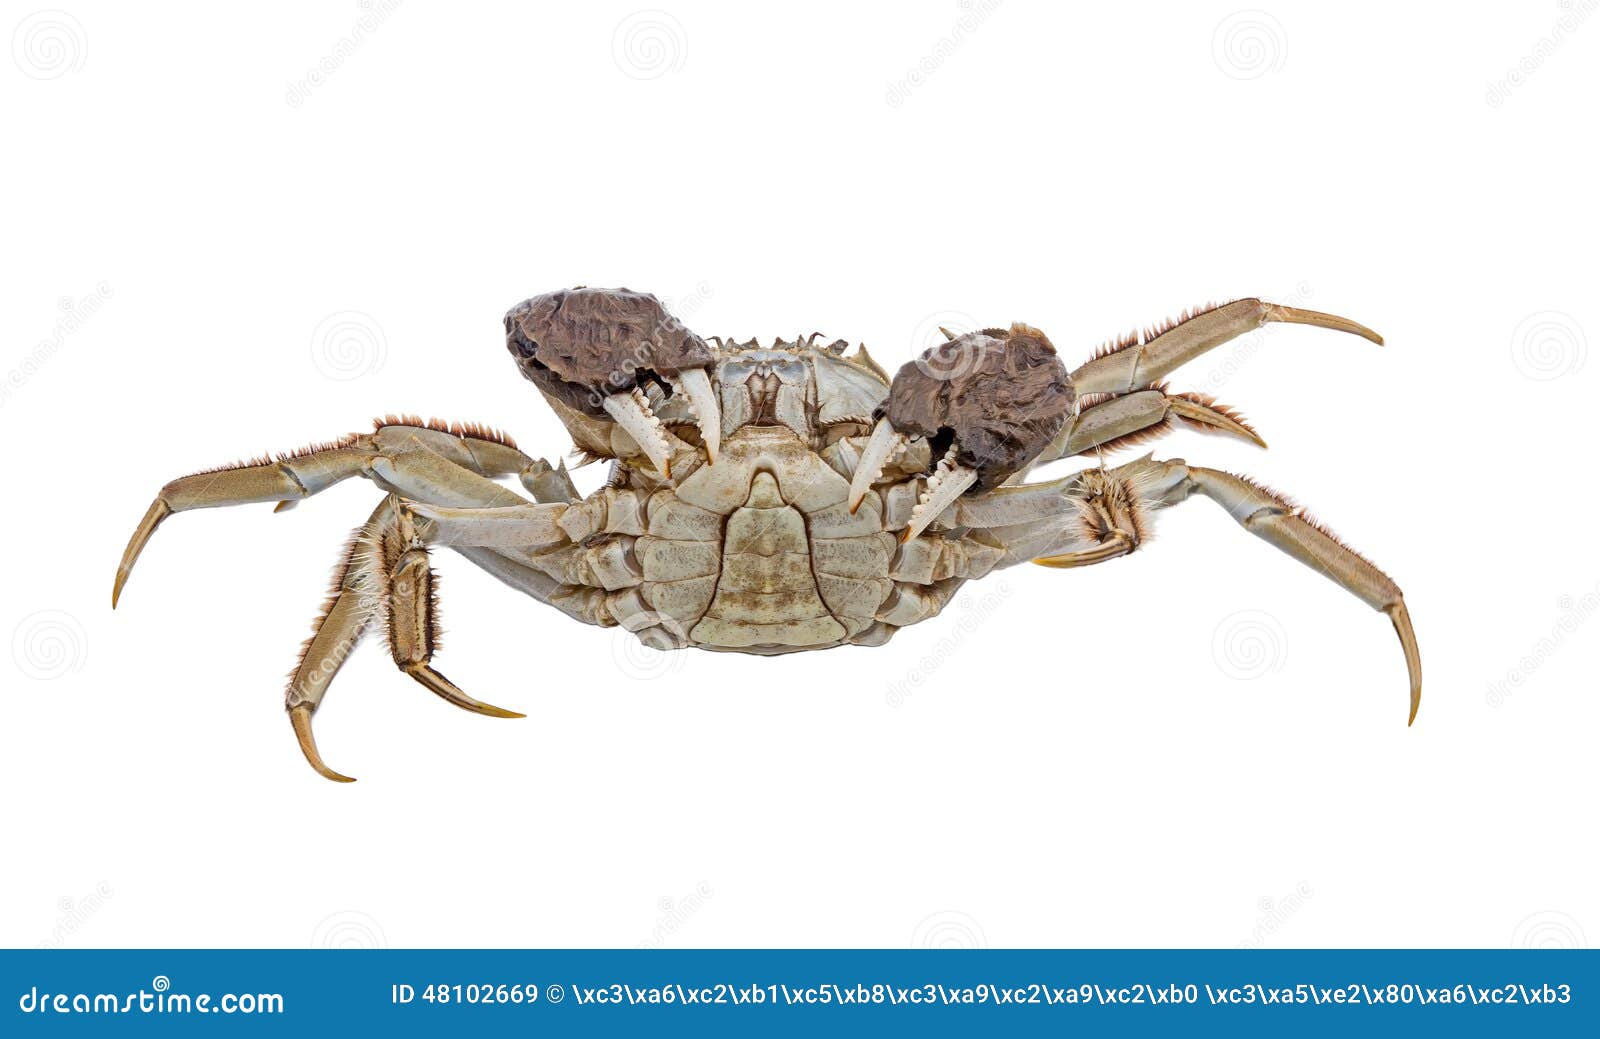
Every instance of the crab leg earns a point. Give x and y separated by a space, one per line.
446 460
289 479
1139 363
1113 515
1141 415
385 573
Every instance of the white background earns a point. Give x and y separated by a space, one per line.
212 251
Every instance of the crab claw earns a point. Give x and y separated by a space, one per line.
990 400
949 481
632 412
695 385
874 457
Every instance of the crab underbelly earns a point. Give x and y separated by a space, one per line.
759 553
767 594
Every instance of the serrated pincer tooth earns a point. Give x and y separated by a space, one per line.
632 412
949 481
880 447
695 385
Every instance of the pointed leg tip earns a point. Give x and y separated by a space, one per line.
300 718
448 691
116 589
1401 617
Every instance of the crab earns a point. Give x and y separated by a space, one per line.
769 499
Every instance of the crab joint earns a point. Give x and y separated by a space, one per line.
696 388
632 412
874 457
948 482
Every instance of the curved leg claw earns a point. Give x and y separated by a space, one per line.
300 718
1408 643
448 691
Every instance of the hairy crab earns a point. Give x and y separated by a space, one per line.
769 499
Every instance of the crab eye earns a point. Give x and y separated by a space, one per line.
592 349
987 402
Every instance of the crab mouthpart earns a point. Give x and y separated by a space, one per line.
880 446
632 412
948 482
695 386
